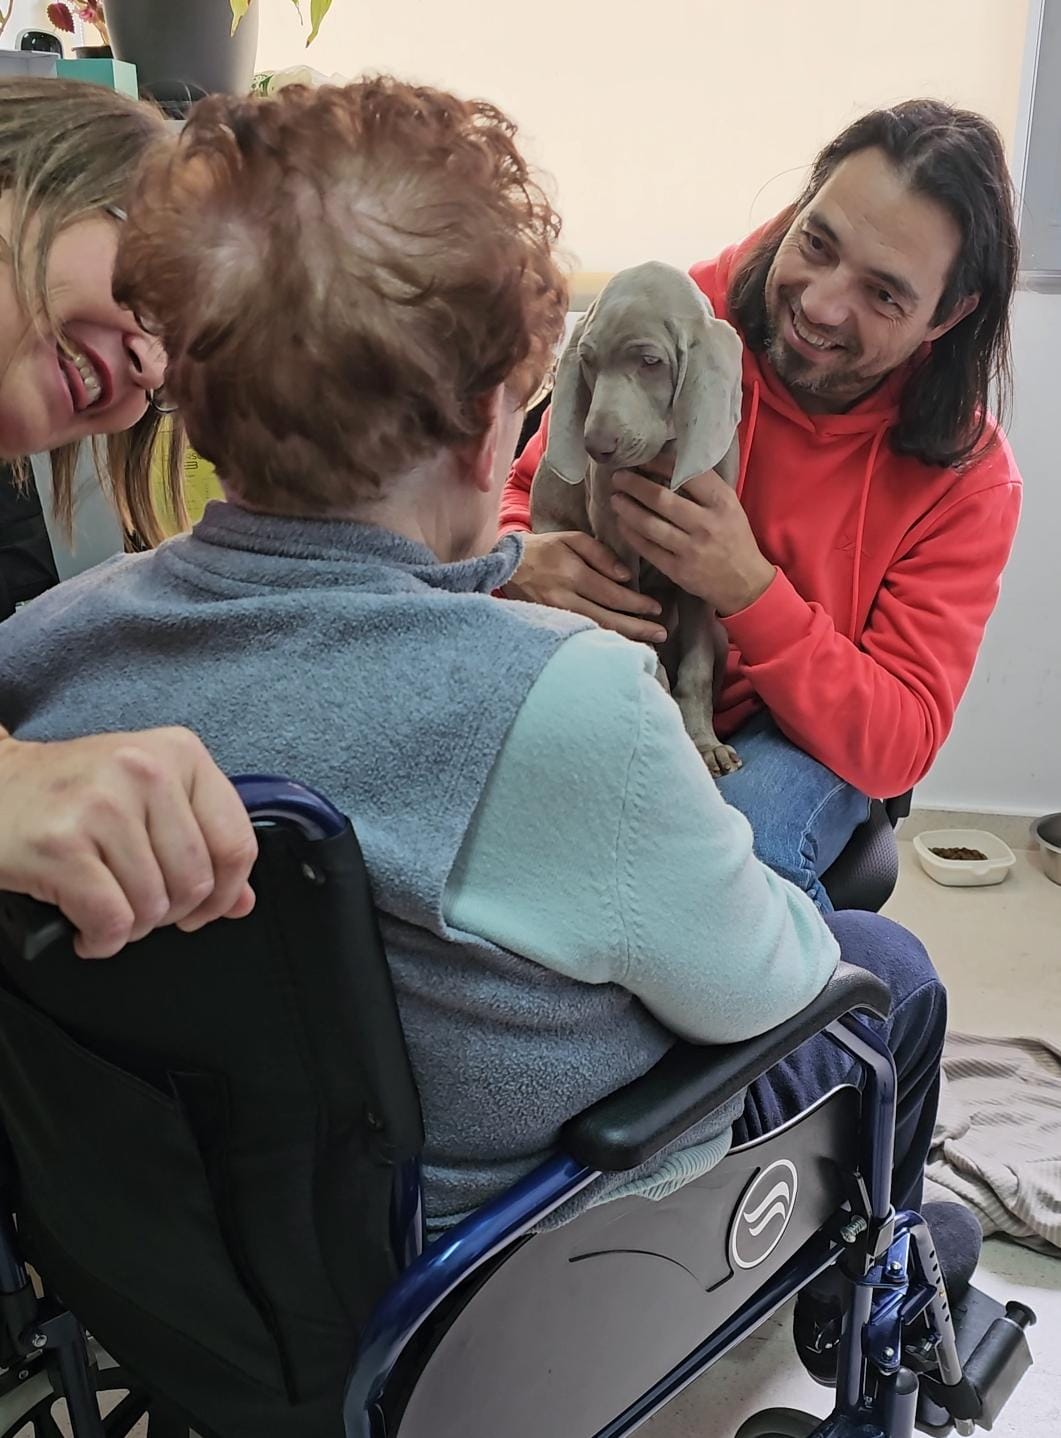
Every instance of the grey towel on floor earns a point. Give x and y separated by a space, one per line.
997 1144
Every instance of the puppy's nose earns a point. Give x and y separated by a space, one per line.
601 447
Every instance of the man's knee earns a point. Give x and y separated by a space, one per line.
888 950
778 812
802 815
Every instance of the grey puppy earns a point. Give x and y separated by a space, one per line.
648 370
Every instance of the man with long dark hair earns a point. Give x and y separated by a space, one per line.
859 561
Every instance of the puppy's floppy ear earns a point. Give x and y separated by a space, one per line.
565 452
707 396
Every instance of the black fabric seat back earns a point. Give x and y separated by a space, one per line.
207 1130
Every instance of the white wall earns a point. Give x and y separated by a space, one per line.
672 127
1005 753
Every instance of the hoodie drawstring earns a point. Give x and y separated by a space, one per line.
860 529
863 504
749 439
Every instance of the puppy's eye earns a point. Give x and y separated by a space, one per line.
651 360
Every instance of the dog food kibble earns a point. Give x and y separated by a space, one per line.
968 854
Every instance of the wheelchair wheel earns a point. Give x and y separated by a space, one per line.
779 1423
31 1408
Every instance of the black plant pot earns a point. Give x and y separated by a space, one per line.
93 52
185 44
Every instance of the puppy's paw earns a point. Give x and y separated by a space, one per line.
721 759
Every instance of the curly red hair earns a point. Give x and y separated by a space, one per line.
340 277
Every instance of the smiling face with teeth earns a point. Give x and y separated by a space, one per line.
856 283
95 378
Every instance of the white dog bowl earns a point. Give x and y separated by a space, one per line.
1047 833
964 873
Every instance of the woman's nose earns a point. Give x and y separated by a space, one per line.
147 361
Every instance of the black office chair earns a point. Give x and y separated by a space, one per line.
865 874
214 1143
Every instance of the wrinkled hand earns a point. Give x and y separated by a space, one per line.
698 536
574 571
125 833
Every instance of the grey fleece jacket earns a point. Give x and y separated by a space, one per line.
350 658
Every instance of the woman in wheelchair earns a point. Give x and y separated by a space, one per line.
357 291
78 818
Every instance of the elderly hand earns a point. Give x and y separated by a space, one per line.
698 536
571 570
125 833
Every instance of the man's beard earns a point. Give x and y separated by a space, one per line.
845 380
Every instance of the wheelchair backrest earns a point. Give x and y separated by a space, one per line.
208 1134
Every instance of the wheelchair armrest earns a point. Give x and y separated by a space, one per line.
690 1081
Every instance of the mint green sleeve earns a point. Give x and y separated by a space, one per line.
602 849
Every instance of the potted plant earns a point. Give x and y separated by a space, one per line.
194 45
317 11
89 12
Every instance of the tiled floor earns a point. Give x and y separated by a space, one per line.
999 951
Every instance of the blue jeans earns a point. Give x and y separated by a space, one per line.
801 814
914 1032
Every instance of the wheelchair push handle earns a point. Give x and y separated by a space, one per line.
268 799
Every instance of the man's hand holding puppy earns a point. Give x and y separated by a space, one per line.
698 536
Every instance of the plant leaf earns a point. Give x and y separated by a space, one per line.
239 9
61 18
317 11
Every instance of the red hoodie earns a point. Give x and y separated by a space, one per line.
888 570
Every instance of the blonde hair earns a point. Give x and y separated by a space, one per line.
69 151
340 277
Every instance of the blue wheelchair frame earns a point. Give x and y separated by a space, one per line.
889 1257
895 1290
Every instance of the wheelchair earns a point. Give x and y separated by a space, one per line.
211 1214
